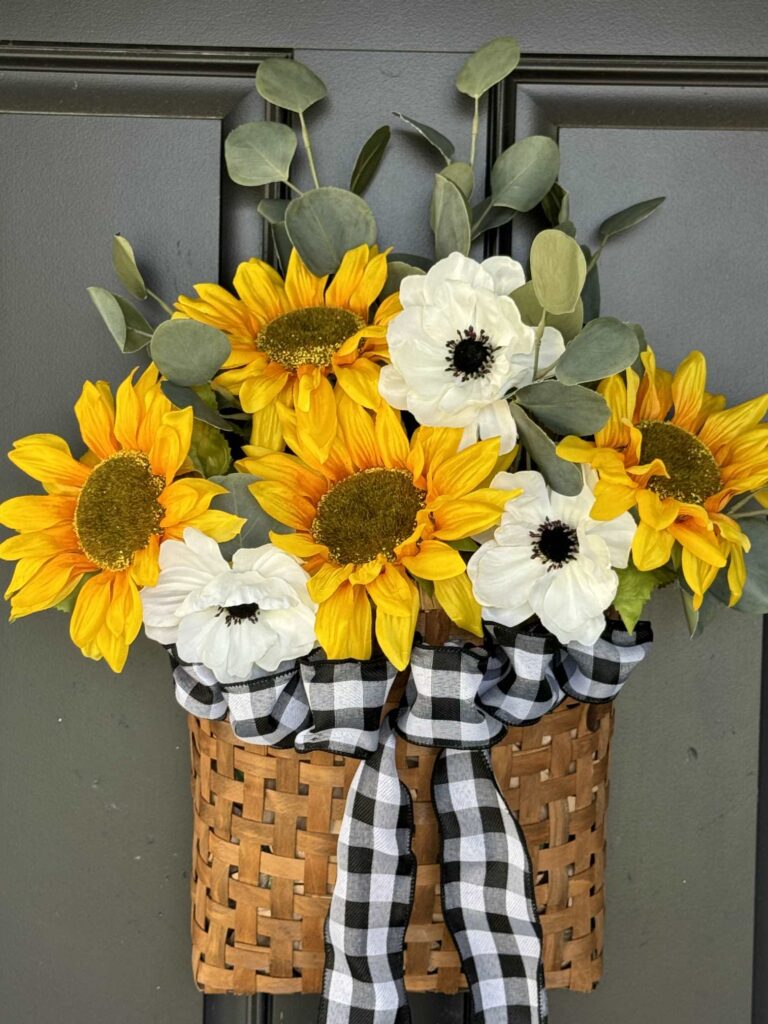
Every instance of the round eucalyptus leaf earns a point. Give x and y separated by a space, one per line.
273 210
289 84
556 205
259 153
564 409
486 216
183 397
590 293
188 352
449 217
325 223
605 346
462 176
436 139
126 324
124 262
488 66
625 219
239 501
525 172
412 259
564 477
368 159
754 600
569 324
558 270
396 271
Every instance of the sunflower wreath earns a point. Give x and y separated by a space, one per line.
312 459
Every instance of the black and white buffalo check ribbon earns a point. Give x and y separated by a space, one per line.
459 698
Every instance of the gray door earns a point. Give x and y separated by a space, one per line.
96 808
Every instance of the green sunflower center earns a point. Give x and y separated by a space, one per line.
118 512
312 335
367 514
694 475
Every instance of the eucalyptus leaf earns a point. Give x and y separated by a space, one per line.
368 159
126 324
462 176
188 352
564 409
436 139
289 84
325 223
282 243
558 270
486 216
209 451
564 477
567 227
260 153
273 210
635 590
642 345
569 324
449 218
754 600
488 66
590 293
396 271
240 502
525 172
604 347
411 258
556 205
625 219
183 397
124 263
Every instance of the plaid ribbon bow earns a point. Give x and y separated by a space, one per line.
460 698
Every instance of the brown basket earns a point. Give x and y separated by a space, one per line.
265 828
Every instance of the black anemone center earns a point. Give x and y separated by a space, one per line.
554 543
470 355
240 613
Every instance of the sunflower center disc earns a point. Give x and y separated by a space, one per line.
367 514
693 473
310 335
118 511
555 543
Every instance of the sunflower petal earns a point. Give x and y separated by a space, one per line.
96 418
395 632
456 599
47 458
434 561
344 622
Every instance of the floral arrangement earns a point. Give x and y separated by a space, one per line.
314 457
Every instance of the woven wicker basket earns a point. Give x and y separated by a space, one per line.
265 828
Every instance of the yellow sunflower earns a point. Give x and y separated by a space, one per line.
676 453
104 517
379 511
289 335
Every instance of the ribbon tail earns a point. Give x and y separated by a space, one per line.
487 891
371 904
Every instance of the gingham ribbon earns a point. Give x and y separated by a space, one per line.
460 698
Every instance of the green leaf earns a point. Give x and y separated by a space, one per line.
188 352
449 218
396 271
126 324
124 263
525 172
289 84
605 346
282 244
486 216
368 160
412 259
567 227
635 589
67 604
558 270
183 397
488 66
462 176
564 409
642 345
259 153
590 293
325 223
273 210
754 600
209 452
240 502
625 219
569 324
556 205
436 139
562 476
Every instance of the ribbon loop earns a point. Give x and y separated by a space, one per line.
198 691
596 674
270 709
526 688
487 890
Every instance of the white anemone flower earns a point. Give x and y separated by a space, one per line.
235 619
549 558
459 345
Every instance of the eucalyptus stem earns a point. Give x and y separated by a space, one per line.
163 305
537 343
295 188
308 147
740 504
752 515
475 130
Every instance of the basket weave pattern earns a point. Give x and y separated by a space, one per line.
265 827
